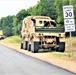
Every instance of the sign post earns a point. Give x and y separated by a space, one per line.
71 45
69 22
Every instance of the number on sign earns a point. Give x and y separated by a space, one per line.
68 14
67 21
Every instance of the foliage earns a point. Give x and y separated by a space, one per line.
6 25
7 31
15 22
53 8
21 15
12 40
44 8
73 2
58 4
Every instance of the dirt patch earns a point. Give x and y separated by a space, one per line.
64 62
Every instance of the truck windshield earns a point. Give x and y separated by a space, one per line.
47 24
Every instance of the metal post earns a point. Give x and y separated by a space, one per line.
71 45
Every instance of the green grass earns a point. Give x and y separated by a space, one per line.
12 39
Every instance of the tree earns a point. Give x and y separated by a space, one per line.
73 2
6 22
7 31
21 15
58 5
17 21
44 8
48 8
59 9
15 24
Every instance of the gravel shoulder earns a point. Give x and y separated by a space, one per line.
64 62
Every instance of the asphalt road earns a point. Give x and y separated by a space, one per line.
15 63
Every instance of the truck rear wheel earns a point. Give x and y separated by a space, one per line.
21 45
61 47
25 45
34 46
29 47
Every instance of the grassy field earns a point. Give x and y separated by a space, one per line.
12 39
68 47
16 41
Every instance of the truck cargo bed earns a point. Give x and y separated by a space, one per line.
49 29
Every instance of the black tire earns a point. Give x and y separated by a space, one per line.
34 46
21 45
61 47
25 45
57 40
29 47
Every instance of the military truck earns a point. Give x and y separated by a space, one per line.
1 34
41 32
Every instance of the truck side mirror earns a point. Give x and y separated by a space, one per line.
34 21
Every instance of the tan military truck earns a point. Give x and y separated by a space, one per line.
41 32
1 34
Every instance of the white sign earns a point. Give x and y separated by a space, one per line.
68 18
68 11
69 25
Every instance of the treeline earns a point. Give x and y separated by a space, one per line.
53 8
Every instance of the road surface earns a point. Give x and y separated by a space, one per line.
16 63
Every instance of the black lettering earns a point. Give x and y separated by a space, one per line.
68 14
